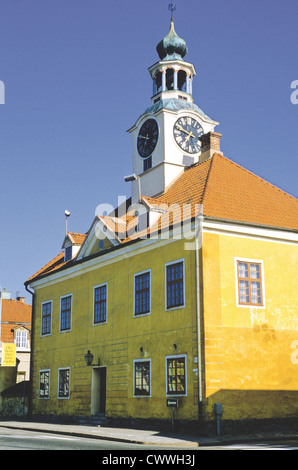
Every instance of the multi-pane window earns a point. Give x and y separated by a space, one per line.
44 384
142 378
68 253
65 314
142 293
249 283
175 290
176 375
64 383
21 339
46 318
100 304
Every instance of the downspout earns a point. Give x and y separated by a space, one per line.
31 350
198 246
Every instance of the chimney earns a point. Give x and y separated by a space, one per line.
210 145
5 294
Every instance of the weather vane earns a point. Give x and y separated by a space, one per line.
172 8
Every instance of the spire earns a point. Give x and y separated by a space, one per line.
172 8
172 46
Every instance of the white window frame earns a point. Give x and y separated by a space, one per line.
182 260
68 397
20 331
63 297
142 396
134 294
43 303
176 395
44 370
249 260
93 314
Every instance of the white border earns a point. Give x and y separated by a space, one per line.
177 395
63 398
65 331
43 303
166 290
133 385
134 293
249 260
49 371
107 290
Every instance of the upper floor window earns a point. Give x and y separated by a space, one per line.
46 318
175 285
100 304
142 293
65 313
249 282
68 253
21 339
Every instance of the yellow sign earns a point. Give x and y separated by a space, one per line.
8 354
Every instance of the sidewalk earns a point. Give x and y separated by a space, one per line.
131 436
144 437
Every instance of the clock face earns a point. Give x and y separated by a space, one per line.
186 133
147 138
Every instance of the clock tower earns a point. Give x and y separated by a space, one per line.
166 136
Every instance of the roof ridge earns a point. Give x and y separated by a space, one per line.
254 174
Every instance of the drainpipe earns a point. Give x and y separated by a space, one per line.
198 245
31 350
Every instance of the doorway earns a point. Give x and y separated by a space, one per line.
99 390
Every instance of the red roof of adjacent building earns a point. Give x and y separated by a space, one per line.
14 313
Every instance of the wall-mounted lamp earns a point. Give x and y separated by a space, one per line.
141 349
89 358
175 346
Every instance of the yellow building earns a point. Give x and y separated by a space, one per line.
186 292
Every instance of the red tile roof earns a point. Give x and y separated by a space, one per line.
226 191
14 314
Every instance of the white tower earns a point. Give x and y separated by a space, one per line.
166 136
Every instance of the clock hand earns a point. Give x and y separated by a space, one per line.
190 134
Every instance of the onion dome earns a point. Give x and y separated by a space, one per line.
172 46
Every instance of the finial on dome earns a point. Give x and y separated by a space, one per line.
172 46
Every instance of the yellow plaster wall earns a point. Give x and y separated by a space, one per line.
250 351
117 343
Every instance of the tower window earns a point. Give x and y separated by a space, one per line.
182 80
147 164
170 79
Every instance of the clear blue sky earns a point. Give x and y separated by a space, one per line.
76 78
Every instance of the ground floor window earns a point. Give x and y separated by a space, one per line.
64 383
142 378
176 375
44 384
